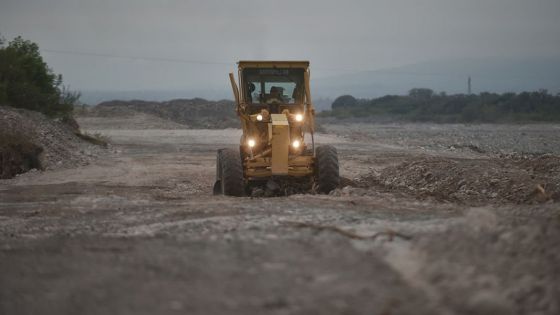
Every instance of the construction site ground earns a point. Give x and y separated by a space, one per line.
429 219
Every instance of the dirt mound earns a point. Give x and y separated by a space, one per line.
17 155
519 179
54 143
132 120
192 113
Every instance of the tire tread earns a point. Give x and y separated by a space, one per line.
327 177
231 173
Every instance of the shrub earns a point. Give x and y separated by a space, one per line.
27 82
344 101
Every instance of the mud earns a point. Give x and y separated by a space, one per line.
138 232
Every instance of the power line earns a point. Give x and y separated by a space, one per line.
206 62
175 60
129 57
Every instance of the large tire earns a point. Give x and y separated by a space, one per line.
231 173
327 175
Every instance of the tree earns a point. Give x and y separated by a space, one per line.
27 82
421 93
344 101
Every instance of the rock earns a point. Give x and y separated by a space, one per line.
257 192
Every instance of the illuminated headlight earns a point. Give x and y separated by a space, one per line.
251 143
296 144
299 117
259 117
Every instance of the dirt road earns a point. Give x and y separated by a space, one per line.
138 232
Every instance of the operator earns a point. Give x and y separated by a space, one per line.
274 100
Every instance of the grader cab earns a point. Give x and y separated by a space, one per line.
273 102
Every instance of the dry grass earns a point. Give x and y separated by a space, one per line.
95 138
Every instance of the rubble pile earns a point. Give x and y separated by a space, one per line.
194 113
55 142
524 179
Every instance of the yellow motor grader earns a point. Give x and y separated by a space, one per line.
273 102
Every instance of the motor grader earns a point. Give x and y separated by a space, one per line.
273 102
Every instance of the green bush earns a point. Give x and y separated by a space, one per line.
344 101
27 82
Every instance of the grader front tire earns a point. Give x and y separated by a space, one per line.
327 171
231 173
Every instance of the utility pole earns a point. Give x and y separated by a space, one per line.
469 85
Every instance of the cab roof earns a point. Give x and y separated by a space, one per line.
273 64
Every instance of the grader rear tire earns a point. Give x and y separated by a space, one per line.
327 174
231 173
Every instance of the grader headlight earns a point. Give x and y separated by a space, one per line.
262 116
251 143
296 144
299 117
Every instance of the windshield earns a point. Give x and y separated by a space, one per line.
273 85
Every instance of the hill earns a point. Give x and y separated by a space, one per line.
182 113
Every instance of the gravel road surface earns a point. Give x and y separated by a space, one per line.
138 232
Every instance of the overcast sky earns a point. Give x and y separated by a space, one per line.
336 36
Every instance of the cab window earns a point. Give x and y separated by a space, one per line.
266 84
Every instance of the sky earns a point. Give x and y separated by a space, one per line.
174 44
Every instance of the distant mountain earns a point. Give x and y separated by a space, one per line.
450 76
490 74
